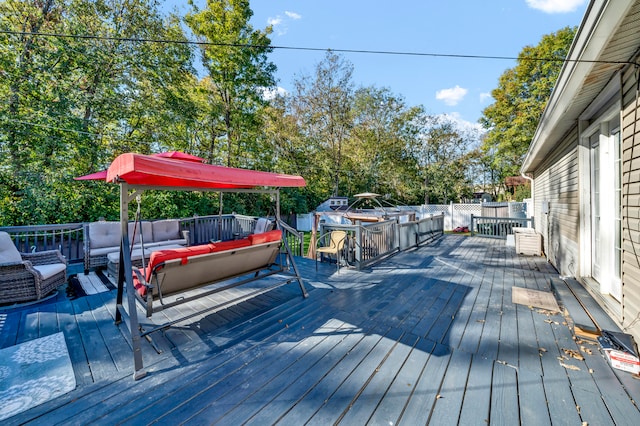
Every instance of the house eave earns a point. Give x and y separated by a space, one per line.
584 73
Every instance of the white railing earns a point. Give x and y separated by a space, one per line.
368 243
459 214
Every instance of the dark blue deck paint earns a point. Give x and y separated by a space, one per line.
429 336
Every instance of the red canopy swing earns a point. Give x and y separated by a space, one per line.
178 171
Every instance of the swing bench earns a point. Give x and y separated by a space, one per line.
182 275
175 271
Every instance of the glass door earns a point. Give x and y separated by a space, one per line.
595 206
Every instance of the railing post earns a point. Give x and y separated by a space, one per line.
472 224
358 248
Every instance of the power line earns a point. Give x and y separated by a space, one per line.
312 49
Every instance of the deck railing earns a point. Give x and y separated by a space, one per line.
497 227
69 238
293 238
368 243
203 229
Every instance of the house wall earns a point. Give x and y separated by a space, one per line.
630 204
556 185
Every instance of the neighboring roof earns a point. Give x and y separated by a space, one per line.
608 33
156 171
516 181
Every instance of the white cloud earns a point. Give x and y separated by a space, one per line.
271 93
484 97
279 23
293 15
555 6
274 21
452 95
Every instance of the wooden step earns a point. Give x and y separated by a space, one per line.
583 324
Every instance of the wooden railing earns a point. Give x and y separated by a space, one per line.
368 243
293 238
203 229
497 227
68 238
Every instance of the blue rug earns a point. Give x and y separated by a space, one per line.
34 372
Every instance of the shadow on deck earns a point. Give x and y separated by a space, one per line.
428 336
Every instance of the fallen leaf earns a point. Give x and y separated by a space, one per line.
438 396
542 349
573 354
548 321
570 367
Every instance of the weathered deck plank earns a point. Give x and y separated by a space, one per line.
428 336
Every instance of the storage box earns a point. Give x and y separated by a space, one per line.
619 357
528 243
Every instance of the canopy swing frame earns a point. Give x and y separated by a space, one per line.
129 313
186 177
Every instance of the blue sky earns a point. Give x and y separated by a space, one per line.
455 86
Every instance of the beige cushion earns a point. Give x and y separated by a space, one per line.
164 230
104 234
47 271
8 251
262 225
147 232
136 254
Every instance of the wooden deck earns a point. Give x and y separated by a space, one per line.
430 336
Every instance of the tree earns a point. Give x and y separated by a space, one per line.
73 104
520 99
379 150
235 57
445 155
322 107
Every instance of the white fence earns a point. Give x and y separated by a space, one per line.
455 215
459 215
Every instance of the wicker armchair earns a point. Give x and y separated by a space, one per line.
28 276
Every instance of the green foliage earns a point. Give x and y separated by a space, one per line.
445 156
238 76
520 99
72 104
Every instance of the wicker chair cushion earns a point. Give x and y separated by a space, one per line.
164 230
8 251
48 271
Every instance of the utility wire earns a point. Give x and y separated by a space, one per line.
312 49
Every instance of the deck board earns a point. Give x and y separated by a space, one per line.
428 336
532 398
452 392
477 401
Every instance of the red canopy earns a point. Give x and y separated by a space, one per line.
179 156
101 175
154 170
